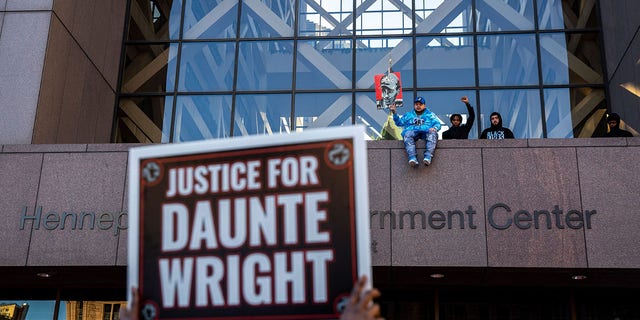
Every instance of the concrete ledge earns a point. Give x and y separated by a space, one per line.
578 142
113 147
46 148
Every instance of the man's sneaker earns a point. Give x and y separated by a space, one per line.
413 162
426 162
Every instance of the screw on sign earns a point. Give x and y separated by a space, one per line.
339 154
151 172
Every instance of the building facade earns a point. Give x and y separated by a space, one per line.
541 227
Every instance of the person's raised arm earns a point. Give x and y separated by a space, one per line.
472 113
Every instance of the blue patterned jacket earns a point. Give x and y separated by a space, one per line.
418 123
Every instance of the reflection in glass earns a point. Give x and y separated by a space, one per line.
202 117
378 124
94 310
157 20
446 103
440 16
257 114
384 17
167 119
557 104
266 19
445 61
550 14
324 64
520 111
567 14
373 58
210 19
454 16
325 18
581 52
575 112
157 76
508 59
206 66
500 15
265 65
321 110
371 36
553 58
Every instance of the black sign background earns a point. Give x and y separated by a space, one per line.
337 180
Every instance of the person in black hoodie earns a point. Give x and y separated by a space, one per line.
614 127
496 131
458 130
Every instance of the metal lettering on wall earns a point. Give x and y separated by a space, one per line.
500 216
52 220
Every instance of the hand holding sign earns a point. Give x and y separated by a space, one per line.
361 306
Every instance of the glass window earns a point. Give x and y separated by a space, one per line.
266 19
265 65
202 117
550 14
557 106
321 110
376 56
446 103
500 15
565 14
325 18
262 114
210 19
520 111
206 67
439 16
324 64
149 68
376 121
577 54
431 44
384 17
445 61
167 121
144 119
157 20
575 112
553 58
507 60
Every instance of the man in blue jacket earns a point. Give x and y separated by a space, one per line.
420 123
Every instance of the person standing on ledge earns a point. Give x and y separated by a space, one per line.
613 120
458 130
419 123
496 131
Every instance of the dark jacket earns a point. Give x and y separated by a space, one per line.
617 132
497 132
462 131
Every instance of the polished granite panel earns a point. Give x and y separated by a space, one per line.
19 175
23 44
525 186
610 186
20 5
448 194
89 185
379 163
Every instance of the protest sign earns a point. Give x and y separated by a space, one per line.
259 227
388 89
